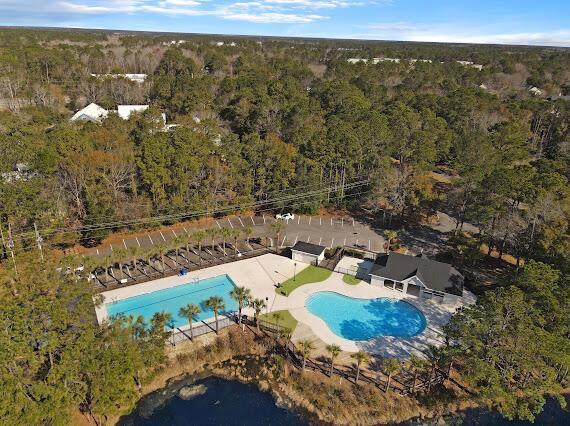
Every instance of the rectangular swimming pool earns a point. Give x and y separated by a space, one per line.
172 299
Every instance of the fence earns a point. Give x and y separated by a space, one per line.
403 383
201 328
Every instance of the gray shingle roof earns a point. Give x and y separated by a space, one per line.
435 275
308 248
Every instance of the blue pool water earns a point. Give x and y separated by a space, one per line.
364 319
172 299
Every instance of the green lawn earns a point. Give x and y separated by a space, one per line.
350 280
311 274
286 320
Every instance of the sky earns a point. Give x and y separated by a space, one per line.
536 22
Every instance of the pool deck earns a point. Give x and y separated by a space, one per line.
436 314
261 275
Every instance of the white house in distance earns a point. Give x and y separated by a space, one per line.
417 276
125 111
137 78
91 112
309 253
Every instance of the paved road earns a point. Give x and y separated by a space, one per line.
328 232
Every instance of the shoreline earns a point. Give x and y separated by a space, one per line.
247 358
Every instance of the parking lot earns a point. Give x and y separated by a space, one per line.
326 231
145 247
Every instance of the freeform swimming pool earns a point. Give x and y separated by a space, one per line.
364 319
172 299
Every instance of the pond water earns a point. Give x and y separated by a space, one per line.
222 403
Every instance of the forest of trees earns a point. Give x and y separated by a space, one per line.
269 117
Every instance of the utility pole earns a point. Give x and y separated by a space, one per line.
39 240
11 248
4 250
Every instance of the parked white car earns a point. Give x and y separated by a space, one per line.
285 216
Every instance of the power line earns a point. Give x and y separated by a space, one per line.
52 245
186 215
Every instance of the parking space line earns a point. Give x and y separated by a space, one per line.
241 222
150 238
283 243
298 219
320 240
97 251
296 237
219 226
138 242
310 217
352 221
111 245
332 242
125 244
162 235
320 221
185 230
252 222
342 222
356 243
174 233
331 222
230 222
263 219
369 245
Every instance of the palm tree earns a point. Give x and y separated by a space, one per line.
248 230
258 305
361 358
159 321
334 351
216 303
120 255
435 356
390 235
242 296
212 233
199 236
416 364
278 227
176 243
189 311
225 233
162 249
235 234
391 366
307 347
105 265
134 252
277 316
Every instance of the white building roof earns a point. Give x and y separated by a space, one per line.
91 112
137 78
125 111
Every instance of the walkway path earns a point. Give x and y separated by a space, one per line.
437 315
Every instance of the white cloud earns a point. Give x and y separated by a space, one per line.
442 34
258 11
266 18
392 26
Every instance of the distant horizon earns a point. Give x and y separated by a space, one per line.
229 35
509 22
